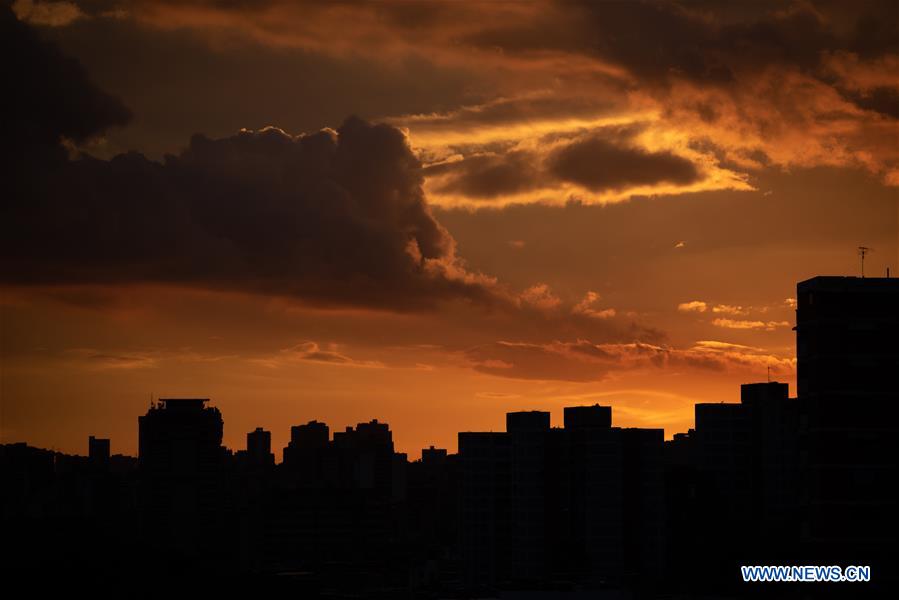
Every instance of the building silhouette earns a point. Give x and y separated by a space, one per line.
307 456
847 329
259 448
98 452
731 486
432 507
578 503
183 497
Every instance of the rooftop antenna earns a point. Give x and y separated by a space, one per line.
862 252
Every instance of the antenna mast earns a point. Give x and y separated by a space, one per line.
862 251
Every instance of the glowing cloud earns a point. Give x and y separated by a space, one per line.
693 306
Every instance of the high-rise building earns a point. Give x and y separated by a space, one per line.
432 508
181 464
307 455
259 448
366 460
527 420
540 504
643 503
748 453
485 496
731 486
578 417
723 455
532 466
98 452
433 456
180 436
312 435
773 421
847 341
593 483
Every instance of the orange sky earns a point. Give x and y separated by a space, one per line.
536 205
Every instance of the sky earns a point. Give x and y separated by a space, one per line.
429 213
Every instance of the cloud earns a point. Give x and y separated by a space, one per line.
801 84
744 324
598 164
605 163
716 345
123 359
693 306
717 89
583 360
805 84
48 96
657 42
331 217
566 361
497 395
487 175
728 309
586 307
540 296
102 361
51 14
508 118
310 351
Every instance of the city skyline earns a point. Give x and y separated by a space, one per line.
585 509
812 284
236 438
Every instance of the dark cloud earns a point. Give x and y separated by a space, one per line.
704 42
875 29
658 39
881 99
48 96
599 164
650 39
605 159
488 175
331 217
328 217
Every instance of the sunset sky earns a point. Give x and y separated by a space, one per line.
430 213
